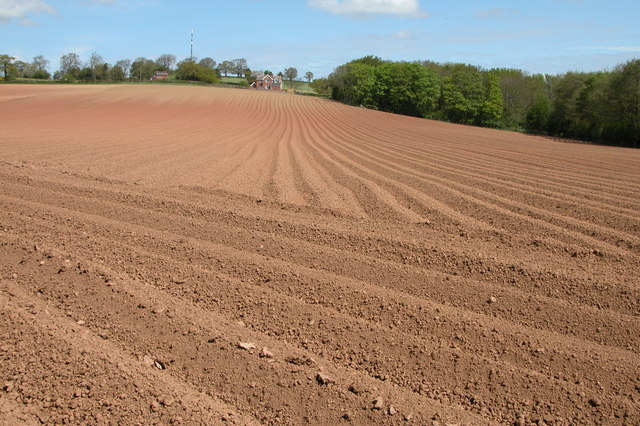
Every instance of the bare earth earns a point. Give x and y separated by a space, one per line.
199 255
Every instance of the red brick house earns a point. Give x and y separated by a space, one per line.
160 75
267 82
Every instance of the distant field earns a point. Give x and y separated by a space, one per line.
232 80
189 254
299 86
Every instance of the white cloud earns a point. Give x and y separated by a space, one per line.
369 7
19 9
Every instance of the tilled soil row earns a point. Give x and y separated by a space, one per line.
263 273
158 330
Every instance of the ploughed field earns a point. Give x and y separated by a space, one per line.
205 255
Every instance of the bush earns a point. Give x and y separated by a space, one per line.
538 115
41 75
191 71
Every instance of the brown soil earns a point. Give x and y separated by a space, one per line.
197 255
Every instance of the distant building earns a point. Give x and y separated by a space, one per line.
267 82
160 75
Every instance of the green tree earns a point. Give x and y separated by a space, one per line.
320 85
5 62
290 73
225 67
406 88
519 91
191 71
40 63
463 96
360 87
125 66
70 66
371 60
142 69
565 90
166 62
207 63
492 109
239 65
97 66
19 69
38 68
592 107
117 73
85 74
308 76
624 109
41 75
538 115
250 76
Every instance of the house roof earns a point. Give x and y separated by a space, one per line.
263 77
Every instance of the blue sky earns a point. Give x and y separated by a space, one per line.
551 36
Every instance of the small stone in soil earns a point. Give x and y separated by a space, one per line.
265 353
148 360
355 389
305 360
167 401
246 346
378 403
324 379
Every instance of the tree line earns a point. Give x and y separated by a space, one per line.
36 69
96 69
602 107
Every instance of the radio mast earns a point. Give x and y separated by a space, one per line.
191 57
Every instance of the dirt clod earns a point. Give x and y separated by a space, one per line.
303 360
595 402
324 379
356 389
247 346
378 403
265 353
